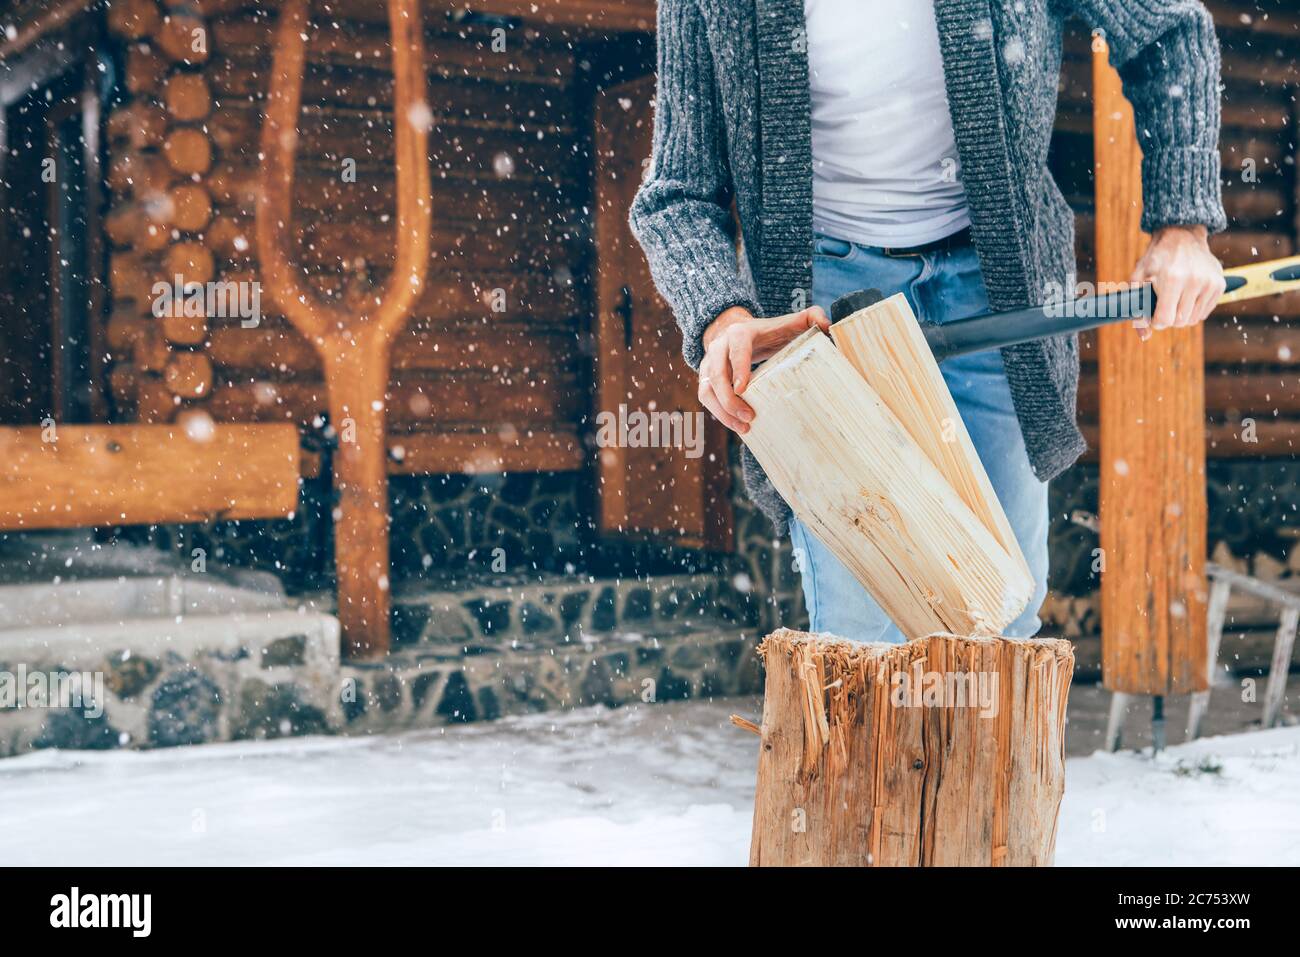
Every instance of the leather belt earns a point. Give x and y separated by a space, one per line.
955 241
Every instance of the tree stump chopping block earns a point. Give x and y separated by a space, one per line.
944 751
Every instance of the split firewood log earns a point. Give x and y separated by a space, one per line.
885 344
859 482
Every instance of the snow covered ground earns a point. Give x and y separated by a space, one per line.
662 784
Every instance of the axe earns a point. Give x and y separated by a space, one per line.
1089 312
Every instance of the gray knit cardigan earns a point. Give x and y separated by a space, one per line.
733 122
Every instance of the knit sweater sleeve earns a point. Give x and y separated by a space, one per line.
1168 57
682 212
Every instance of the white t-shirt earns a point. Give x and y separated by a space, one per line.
885 169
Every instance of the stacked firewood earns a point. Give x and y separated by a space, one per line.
161 221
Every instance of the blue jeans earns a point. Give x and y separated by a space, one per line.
940 286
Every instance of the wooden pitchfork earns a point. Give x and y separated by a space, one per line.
354 342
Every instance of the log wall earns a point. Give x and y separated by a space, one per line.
510 232
1252 387
488 370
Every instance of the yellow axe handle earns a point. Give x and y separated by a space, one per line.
1262 279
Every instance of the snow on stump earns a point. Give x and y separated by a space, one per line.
944 751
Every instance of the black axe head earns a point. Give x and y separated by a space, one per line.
849 303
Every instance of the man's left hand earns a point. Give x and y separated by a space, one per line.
1188 280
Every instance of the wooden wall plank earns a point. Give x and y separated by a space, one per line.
506 450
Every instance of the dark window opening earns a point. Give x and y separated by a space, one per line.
51 269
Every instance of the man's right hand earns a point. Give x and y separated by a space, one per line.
732 344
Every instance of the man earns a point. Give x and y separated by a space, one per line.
901 145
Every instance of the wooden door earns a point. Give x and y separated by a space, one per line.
662 460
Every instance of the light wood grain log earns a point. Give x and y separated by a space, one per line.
945 751
139 474
885 344
855 478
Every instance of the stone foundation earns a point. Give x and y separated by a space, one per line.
184 660
187 680
423 689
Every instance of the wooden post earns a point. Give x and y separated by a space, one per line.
354 346
1152 410
945 751
855 477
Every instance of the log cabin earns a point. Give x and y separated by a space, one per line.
134 153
